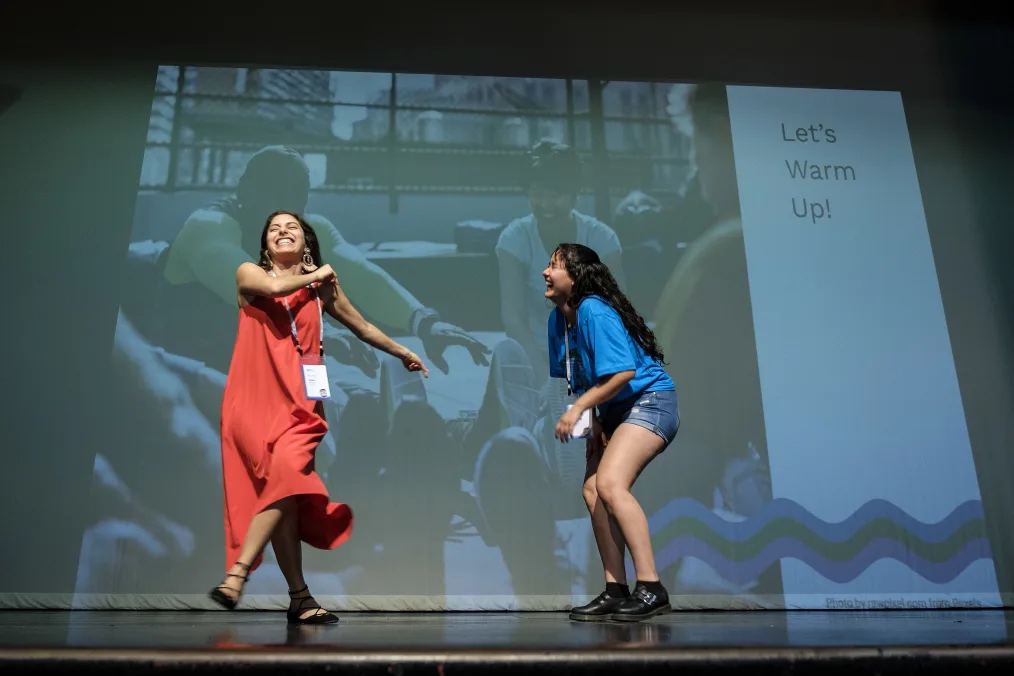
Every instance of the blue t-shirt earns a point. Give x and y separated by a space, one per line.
600 346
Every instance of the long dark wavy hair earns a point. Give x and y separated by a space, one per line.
308 234
592 278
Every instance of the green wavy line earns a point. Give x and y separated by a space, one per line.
936 552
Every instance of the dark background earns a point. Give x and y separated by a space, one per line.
85 73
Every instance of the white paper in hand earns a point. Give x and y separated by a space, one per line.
583 426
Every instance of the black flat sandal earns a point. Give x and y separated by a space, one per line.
295 616
223 599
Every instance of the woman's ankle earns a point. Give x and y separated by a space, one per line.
240 567
300 592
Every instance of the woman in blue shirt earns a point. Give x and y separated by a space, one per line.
612 363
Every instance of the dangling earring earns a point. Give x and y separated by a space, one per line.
308 259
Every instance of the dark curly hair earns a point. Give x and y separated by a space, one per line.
308 234
592 278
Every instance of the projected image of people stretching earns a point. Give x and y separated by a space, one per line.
612 363
273 414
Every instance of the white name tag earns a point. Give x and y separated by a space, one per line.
315 381
583 426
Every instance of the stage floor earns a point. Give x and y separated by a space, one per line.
501 641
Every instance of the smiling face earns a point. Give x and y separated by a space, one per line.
284 239
559 284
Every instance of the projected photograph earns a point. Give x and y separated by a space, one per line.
423 193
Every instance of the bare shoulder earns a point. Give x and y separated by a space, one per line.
248 268
248 275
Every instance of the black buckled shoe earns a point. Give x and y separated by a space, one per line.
599 610
641 605
320 616
220 593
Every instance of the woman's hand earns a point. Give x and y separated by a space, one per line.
325 274
413 363
565 425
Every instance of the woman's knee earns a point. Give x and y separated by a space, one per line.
286 506
591 495
610 489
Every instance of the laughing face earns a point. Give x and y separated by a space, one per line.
285 238
559 284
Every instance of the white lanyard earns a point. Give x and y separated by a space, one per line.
566 347
292 322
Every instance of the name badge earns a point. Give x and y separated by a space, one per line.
315 382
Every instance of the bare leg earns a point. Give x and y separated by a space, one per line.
262 526
630 449
608 537
289 555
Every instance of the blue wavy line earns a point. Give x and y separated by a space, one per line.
782 508
836 571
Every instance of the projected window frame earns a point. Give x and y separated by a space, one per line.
194 135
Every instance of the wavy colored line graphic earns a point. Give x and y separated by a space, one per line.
740 551
783 509
836 571
785 529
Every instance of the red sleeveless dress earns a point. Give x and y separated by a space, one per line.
270 430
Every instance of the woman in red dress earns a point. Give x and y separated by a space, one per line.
273 414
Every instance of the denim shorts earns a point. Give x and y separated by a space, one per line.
655 411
